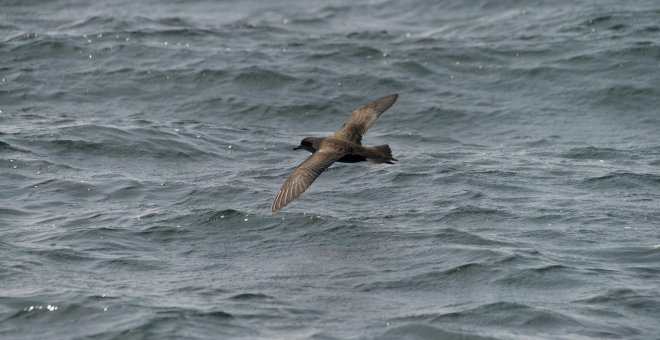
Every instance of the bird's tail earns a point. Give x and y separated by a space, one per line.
380 154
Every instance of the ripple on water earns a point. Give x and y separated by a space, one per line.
140 148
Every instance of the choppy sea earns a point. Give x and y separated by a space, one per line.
141 143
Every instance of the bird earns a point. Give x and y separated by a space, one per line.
345 146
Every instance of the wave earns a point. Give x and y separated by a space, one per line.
423 331
596 153
622 180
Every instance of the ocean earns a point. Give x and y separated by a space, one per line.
142 142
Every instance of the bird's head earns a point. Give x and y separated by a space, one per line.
310 144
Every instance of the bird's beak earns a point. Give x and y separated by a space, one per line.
297 148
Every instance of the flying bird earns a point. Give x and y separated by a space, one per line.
345 145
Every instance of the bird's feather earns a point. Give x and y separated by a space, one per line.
363 118
302 177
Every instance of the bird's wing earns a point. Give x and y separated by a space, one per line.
363 118
302 177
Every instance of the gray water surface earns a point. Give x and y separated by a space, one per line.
141 143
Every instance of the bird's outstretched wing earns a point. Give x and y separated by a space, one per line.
363 118
302 177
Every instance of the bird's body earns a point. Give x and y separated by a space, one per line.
344 146
352 152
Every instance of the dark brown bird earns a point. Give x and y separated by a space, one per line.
344 146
